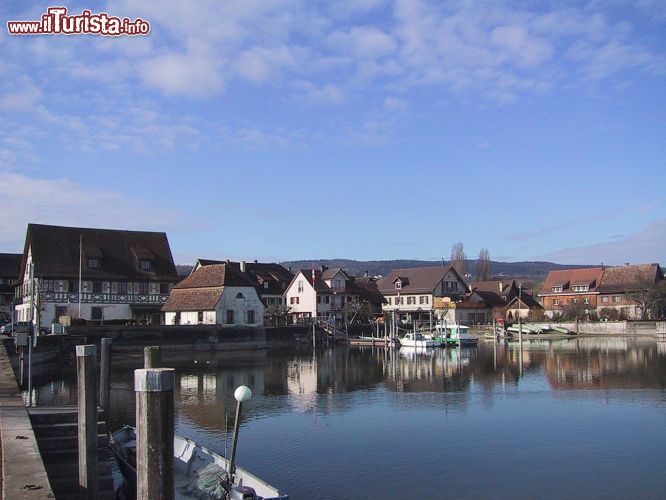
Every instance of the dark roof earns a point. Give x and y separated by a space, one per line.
501 287
366 289
630 278
567 277
10 265
491 298
215 275
527 300
55 252
330 273
260 273
193 299
420 279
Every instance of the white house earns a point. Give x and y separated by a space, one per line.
320 293
216 294
412 293
93 274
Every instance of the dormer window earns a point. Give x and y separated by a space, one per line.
581 288
145 264
93 263
557 289
265 284
398 285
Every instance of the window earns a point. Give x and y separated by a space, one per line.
557 289
398 285
122 287
96 313
581 288
349 299
410 300
604 300
426 299
144 265
388 300
616 298
318 299
230 316
265 285
60 311
250 317
575 301
556 302
164 288
143 287
327 299
239 296
398 300
97 287
200 316
293 300
93 263
586 300
47 285
284 285
300 285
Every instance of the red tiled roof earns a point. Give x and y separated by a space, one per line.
567 277
216 275
421 279
193 299
630 278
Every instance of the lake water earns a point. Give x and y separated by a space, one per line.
583 417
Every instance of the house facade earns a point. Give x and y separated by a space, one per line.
321 294
216 294
10 264
623 290
94 274
569 287
412 293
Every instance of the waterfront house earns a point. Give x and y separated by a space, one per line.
524 306
10 264
321 293
623 293
505 289
216 294
415 293
569 287
123 275
271 279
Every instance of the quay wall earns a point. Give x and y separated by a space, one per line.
23 471
630 328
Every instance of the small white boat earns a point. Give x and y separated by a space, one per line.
415 340
455 334
198 472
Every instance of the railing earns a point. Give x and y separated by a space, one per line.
103 298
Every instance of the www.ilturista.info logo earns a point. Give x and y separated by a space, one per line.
56 21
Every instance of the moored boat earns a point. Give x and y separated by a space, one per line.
198 472
455 334
415 340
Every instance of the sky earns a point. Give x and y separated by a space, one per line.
368 129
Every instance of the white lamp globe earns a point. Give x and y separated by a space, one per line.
242 394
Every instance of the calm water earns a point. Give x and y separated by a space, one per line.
572 418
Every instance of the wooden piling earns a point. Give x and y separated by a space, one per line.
87 394
152 357
154 433
104 375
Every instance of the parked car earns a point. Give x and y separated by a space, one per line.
19 326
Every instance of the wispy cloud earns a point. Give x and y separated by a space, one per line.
644 246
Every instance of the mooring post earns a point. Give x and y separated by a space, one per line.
154 433
104 375
87 393
152 357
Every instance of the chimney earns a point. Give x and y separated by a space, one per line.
242 266
289 269
365 274
324 268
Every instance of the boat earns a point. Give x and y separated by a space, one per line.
375 341
455 334
416 340
198 472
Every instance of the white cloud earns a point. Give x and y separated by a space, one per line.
197 75
312 93
394 104
64 202
644 246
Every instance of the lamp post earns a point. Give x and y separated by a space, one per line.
242 394
520 319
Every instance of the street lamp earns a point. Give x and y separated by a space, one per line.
242 394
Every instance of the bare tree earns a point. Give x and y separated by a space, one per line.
458 258
483 265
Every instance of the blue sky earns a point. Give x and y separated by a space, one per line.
365 129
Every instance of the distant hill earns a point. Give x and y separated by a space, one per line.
183 269
534 270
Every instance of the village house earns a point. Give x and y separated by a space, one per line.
525 307
216 294
271 279
624 289
414 294
94 274
10 264
321 293
502 297
570 286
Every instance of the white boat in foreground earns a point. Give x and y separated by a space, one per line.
198 472
416 340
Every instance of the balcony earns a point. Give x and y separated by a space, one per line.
104 298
